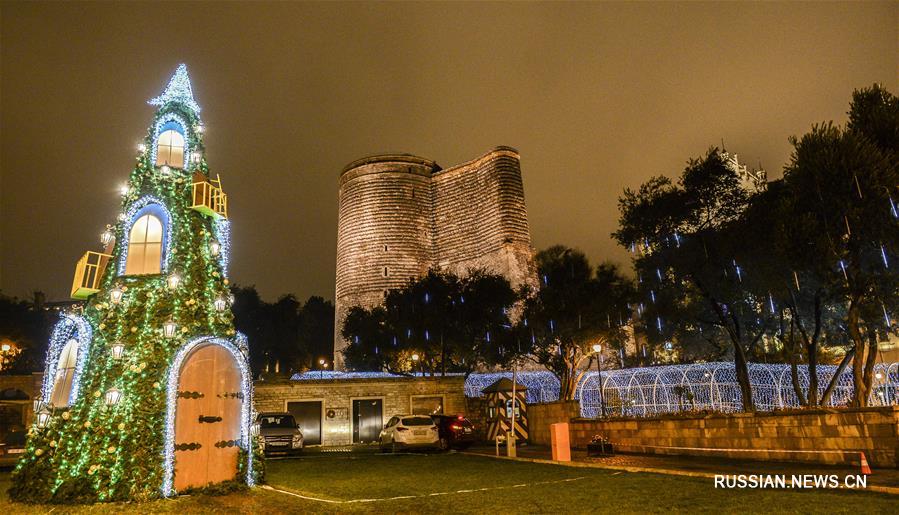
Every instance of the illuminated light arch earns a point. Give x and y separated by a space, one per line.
147 205
174 375
713 386
171 121
69 327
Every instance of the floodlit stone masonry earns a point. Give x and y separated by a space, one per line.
400 215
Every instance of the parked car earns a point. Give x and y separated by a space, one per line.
280 433
12 448
455 431
409 432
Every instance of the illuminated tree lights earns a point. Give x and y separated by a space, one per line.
112 436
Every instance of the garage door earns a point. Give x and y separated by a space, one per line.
368 415
308 415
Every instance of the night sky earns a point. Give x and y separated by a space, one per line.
596 97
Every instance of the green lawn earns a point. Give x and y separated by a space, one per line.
434 482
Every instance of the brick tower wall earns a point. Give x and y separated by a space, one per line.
480 218
404 214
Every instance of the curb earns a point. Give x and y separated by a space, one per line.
891 490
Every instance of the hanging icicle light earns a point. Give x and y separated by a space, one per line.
883 255
168 328
173 280
115 295
220 304
117 350
113 396
893 208
215 247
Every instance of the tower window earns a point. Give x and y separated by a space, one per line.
385 271
385 248
65 373
170 149
145 246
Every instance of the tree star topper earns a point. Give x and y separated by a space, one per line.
178 90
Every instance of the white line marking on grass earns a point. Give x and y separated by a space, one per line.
401 497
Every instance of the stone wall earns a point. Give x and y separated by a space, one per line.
338 395
18 412
400 215
814 436
540 416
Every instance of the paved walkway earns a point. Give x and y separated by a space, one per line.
699 466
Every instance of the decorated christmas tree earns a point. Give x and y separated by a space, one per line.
147 389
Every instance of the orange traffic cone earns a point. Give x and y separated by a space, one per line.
866 470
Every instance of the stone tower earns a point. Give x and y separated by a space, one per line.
400 215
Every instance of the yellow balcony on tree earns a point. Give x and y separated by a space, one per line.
88 273
208 197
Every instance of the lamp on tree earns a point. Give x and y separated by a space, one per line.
43 417
113 396
115 295
174 280
220 304
215 247
107 236
118 350
168 328
254 429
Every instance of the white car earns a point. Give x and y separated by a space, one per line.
409 432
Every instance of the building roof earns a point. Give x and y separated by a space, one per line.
503 385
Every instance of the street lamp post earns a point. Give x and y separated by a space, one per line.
415 359
597 348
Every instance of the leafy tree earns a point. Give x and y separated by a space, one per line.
316 330
576 307
286 335
808 310
842 183
692 287
27 326
451 323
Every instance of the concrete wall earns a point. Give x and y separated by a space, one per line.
813 436
338 395
400 215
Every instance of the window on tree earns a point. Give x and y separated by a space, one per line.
145 246
65 373
170 149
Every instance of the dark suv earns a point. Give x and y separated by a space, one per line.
456 431
280 433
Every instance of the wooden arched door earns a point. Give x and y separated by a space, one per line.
207 418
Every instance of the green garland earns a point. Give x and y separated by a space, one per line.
93 452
